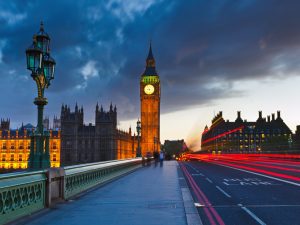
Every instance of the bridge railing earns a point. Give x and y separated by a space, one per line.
24 193
80 178
21 194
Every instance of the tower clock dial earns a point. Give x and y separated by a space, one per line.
149 89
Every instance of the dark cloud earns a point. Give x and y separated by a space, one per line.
201 49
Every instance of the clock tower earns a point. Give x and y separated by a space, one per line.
150 107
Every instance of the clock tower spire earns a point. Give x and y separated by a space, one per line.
150 106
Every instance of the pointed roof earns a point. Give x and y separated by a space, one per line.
150 64
150 54
42 32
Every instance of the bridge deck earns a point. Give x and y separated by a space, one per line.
149 196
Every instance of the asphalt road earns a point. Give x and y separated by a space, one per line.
237 192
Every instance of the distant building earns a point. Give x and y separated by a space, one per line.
5 124
56 123
92 143
263 135
15 146
46 123
297 138
174 148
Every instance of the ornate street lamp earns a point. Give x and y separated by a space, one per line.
138 130
41 65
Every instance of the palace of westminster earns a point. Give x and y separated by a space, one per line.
73 142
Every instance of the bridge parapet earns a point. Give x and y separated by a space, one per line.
24 193
21 194
80 178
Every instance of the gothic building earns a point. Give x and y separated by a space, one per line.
46 123
5 124
150 107
15 146
262 135
56 123
92 143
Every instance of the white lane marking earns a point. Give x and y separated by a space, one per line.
209 180
195 174
274 178
201 174
220 189
193 168
252 215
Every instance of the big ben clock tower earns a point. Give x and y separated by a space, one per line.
150 107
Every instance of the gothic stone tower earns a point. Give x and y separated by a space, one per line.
150 107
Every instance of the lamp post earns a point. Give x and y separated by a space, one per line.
138 130
41 65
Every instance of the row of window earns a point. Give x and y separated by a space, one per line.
13 157
21 145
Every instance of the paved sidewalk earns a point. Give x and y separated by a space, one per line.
149 196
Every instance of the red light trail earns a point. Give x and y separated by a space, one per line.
259 163
223 134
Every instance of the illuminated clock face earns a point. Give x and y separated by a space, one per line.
149 89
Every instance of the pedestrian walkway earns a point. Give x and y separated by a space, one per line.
149 196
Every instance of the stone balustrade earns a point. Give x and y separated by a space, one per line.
24 193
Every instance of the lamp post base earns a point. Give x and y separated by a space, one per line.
39 148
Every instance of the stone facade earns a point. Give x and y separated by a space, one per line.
15 147
263 135
92 143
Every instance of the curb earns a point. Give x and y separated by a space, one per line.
191 213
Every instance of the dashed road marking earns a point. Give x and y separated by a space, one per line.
252 215
220 189
209 180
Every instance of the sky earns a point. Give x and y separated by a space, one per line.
216 55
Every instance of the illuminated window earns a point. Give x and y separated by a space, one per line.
54 145
4 145
12 157
262 135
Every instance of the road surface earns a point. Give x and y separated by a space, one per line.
245 190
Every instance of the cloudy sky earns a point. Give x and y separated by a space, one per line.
212 56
